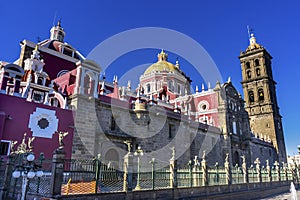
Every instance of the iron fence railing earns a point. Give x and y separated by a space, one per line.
96 176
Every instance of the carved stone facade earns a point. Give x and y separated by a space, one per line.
161 114
260 96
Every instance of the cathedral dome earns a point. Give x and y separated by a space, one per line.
162 65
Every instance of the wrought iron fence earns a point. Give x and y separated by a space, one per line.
40 185
184 176
237 175
96 176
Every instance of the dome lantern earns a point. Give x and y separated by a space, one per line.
57 32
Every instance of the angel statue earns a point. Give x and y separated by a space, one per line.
61 136
12 146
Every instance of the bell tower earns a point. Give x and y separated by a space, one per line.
260 96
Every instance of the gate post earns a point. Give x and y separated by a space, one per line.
245 170
57 172
258 170
277 168
128 170
204 170
196 176
173 174
227 169
7 177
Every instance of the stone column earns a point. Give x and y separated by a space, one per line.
258 169
227 170
204 172
277 168
57 172
196 172
128 171
152 162
173 175
245 170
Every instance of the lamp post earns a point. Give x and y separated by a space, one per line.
138 152
28 169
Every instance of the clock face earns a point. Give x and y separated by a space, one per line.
43 123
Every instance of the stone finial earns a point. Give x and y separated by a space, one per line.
203 87
243 159
208 86
204 155
129 146
229 79
227 158
257 161
173 153
197 90
196 162
177 63
129 85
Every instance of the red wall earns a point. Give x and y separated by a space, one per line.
16 125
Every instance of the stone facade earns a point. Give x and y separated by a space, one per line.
162 115
260 96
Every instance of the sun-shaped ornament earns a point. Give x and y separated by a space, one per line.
43 123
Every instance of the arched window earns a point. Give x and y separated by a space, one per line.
249 74
251 96
257 71
248 65
112 123
256 62
148 87
261 95
236 158
40 81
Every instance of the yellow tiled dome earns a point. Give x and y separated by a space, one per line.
162 65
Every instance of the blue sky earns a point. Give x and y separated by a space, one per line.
219 26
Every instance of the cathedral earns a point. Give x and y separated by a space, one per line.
52 88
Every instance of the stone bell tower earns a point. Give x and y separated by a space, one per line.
260 96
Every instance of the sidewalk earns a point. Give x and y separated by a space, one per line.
284 196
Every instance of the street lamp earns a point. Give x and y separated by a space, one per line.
29 169
138 152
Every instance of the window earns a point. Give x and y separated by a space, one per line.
4 147
40 81
257 71
178 89
261 95
234 127
248 65
249 74
203 106
38 96
256 62
251 96
148 88
112 123
170 131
